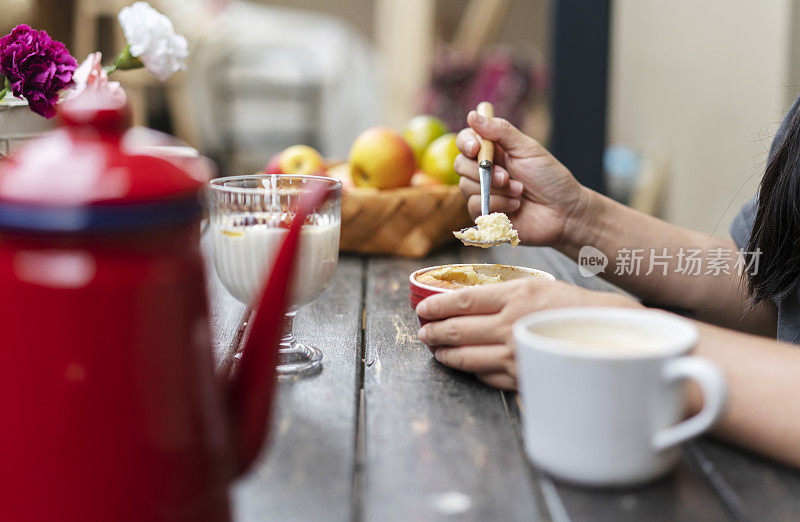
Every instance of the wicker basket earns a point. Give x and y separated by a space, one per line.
409 221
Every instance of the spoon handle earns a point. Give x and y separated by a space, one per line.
485 175
486 153
485 158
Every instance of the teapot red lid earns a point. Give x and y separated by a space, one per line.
95 170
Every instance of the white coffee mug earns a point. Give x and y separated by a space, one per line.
602 393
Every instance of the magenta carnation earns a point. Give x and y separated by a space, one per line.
36 67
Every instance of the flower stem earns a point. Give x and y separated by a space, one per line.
5 89
125 61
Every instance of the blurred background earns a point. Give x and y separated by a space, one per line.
668 106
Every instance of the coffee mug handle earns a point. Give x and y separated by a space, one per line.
715 392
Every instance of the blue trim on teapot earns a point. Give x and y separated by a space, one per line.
97 218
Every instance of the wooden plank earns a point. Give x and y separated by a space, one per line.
763 489
439 444
307 471
680 496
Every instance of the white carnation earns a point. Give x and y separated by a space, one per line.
152 39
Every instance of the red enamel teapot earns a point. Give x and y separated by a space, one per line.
109 405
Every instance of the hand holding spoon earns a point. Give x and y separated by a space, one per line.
485 163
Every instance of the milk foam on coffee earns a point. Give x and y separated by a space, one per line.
244 254
602 338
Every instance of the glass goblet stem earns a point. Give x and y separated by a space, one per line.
293 356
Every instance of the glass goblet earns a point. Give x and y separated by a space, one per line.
249 216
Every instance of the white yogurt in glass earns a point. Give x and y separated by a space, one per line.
244 254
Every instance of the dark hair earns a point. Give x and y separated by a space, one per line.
776 228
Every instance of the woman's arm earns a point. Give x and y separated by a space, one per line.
549 207
715 295
763 411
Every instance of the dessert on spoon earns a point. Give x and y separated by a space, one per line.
489 230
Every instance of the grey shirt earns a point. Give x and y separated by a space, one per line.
789 308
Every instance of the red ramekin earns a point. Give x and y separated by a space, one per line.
418 291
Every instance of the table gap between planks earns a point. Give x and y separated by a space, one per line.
386 433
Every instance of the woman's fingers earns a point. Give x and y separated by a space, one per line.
468 168
469 301
469 144
504 193
500 131
471 188
496 204
502 380
463 331
484 359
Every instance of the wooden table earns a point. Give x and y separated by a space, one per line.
385 433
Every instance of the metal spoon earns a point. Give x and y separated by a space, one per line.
485 159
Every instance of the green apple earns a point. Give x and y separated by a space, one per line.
421 130
437 161
382 159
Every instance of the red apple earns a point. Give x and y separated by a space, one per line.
382 159
420 179
274 165
297 159
341 172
